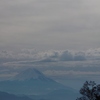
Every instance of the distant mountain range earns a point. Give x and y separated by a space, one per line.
36 86
7 96
54 95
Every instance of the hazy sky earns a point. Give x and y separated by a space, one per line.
49 24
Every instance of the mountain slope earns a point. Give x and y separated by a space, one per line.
57 95
31 81
7 96
31 74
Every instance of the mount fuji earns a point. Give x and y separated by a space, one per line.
31 74
31 82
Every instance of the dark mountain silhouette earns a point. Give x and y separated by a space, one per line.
7 96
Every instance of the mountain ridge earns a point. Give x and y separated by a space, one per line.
35 83
31 74
7 96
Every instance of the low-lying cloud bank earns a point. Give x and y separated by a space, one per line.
49 56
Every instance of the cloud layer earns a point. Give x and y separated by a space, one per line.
56 64
49 56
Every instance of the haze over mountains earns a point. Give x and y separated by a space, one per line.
7 96
36 85
31 81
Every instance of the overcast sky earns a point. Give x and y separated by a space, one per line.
49 24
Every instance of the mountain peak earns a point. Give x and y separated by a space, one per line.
31 74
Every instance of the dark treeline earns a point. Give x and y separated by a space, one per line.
90 91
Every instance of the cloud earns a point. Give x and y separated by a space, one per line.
49 56
31 56
66 56
80 56
10 56
93 53
63 73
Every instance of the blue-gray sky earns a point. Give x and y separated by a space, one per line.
49 24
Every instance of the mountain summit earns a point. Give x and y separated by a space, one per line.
31 74
31 81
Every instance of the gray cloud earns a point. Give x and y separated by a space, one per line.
66 56
49 56
80 56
